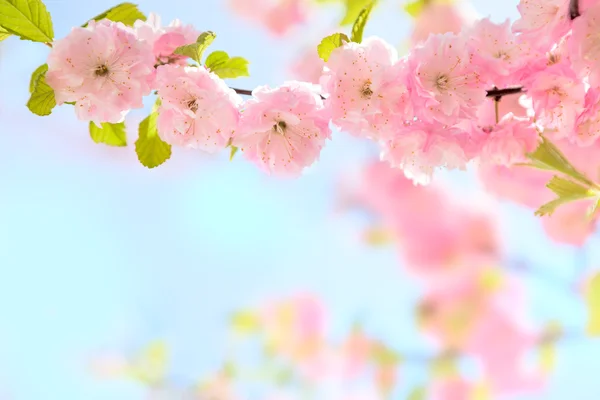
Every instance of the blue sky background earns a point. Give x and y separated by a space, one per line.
98 252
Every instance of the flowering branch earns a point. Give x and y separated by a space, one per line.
498 93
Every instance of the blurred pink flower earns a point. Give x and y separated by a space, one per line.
440 17
278 16
307 66
455 388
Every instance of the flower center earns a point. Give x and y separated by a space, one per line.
280 127
501 54
441 82
193 105
366 92
101 70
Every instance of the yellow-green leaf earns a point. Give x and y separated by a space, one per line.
547 357
330 43
110 134
127 13
414 8
149 147
3 34
226 67
232 153
418 393
150 367
592 298
567 191
548 157
361 21
444 367
353 9
42 99
35 76
27 19
196 50
245 322
383 355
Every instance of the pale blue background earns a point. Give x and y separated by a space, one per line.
97 252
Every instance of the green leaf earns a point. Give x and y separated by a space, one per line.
127 13
353 9
225 67
444 366
330 43
245 322
41 70
234 150
592 300
195 50
3 34
414 8
359 25
383 355
110 134
42 99
567 191
150 149
548 157
418 393
27 19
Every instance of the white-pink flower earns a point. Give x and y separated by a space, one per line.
440 17
543 21
366 88
283 130
164 40
444 82
585 45
588 122
558 97
103 68
307 66
198 110
420 148
278 16
497 51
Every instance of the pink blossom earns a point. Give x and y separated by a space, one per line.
421 148
283 130
164 40
588 122
558 97
278 16
544 21
308 66
366 90
585 45
570 224
451 389
444 83
103 68
497 51
440 17
198 110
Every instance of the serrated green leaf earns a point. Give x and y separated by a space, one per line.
361 21
245 322
592 299
234 150
418 393
196 50
110 134
42 99
414 8
567 191
330 43
35 76
353 9
127 13
548 157
27 19
225 67
149 147
3 34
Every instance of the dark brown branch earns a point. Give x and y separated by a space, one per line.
243 92
498 93
574 9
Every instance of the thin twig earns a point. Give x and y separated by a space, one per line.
498 93
574 9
